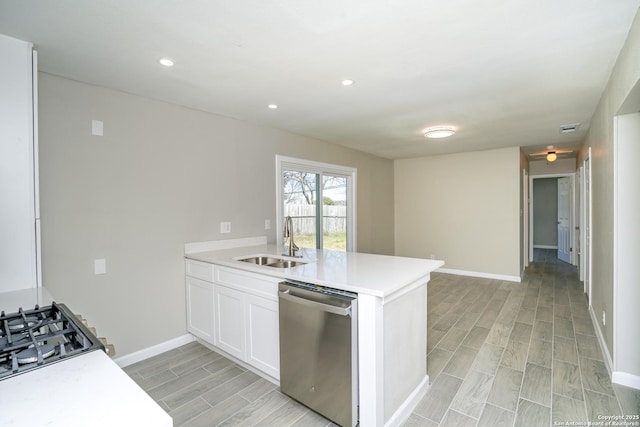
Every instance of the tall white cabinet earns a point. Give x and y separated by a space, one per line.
19 209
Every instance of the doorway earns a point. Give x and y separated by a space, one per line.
551 215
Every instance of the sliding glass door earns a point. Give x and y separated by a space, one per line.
319 198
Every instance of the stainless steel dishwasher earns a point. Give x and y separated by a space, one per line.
318 349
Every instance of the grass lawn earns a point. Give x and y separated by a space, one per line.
331 241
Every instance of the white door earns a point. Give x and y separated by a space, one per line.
564 219
229 320
263 343
200 308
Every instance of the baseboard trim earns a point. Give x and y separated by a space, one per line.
545 247
403 413
145 353
479 274
626 379
608 361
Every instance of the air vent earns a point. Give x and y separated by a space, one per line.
569 128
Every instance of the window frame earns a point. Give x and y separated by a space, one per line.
291 163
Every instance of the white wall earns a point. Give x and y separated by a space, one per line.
624 76
462 208
161 176
560 166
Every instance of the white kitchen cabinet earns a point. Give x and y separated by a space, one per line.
230 329
19 209
263 344
236 311
200 318
199 293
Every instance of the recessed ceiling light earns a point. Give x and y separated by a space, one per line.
272 106
347 82
439 132
166 62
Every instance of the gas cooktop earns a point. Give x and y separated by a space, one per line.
31 339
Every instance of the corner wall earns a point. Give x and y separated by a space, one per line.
600 138
462 208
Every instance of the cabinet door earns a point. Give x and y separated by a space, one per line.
229 321
263 344
200 319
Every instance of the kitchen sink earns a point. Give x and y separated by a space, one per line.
274 262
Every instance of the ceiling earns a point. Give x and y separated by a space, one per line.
503 73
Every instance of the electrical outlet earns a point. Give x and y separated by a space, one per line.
267 224
433 256
225 227
604 318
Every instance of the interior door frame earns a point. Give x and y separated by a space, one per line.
525 214
586 223
572 179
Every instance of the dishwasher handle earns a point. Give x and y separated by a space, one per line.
342 311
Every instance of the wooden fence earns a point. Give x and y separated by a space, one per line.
304 218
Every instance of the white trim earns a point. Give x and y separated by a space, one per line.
214 245
403 413
145 353
608 361
320 168
626 379
479 274
545 246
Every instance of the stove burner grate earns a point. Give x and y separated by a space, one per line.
31 339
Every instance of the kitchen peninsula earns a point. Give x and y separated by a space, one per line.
392 314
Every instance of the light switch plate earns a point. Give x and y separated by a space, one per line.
97 128
267 224
100 266
225 227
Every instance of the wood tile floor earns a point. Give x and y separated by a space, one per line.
499 354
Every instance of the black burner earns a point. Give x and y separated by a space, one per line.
34 338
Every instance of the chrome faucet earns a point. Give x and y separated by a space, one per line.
288 232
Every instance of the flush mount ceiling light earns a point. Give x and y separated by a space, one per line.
166 62
347 82
272 106
552 156
439 132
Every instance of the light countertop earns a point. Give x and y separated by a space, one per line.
371 274
26 299
86 390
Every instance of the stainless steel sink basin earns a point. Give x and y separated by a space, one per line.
274 262
285 264
260 260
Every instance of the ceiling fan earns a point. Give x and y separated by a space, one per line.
551 155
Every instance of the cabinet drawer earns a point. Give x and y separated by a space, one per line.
253 283
199 269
